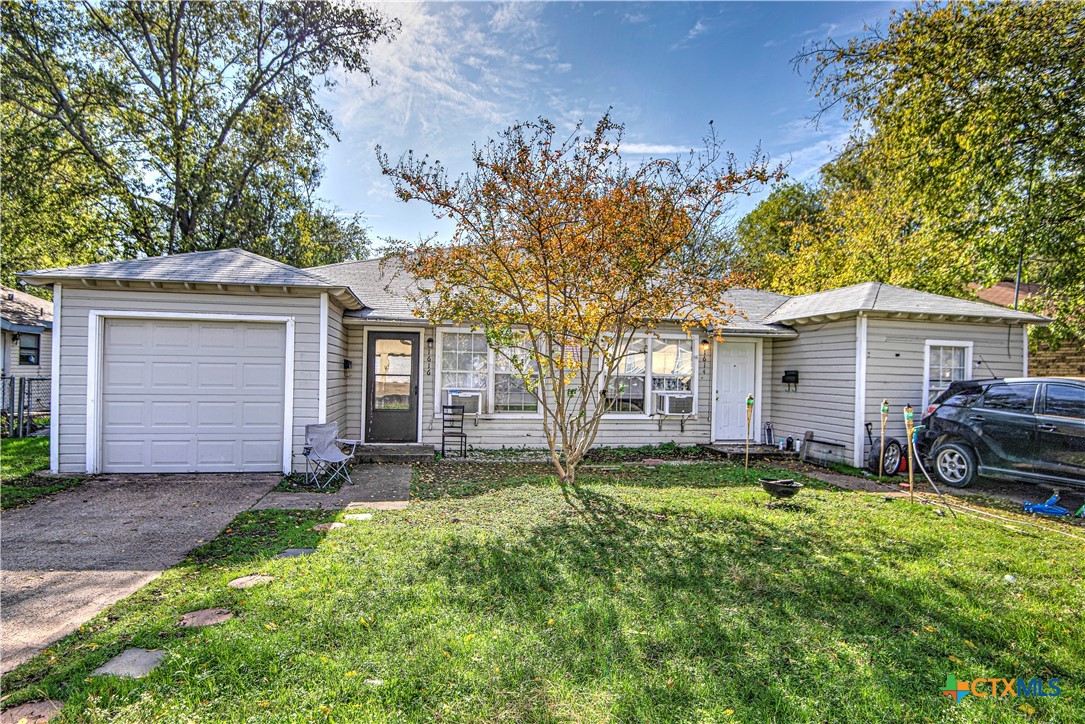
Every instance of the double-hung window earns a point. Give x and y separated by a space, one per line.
947 362
483 381
655 377
29 349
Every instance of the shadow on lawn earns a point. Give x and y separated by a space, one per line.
780 602
464 480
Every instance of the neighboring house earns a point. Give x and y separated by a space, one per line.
215 361
1066 361
26 342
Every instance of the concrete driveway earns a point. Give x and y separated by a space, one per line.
66 558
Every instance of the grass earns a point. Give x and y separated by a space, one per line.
20 458
678 594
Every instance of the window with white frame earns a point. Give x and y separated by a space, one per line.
947 362
626 392
483 381
512 380
465 371
651 372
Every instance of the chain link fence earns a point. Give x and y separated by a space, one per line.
24 405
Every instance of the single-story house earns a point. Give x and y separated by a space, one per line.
26 339
215 361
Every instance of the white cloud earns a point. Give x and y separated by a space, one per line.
653 149
634 18
699 28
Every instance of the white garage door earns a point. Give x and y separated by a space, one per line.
180 396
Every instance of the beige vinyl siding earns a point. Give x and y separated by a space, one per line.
516 430
895 358
824 355
45 357
337 381
354 379
80 301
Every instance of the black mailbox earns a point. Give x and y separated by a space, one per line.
791 377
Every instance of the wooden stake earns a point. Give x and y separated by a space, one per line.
909 417
749 416
881 457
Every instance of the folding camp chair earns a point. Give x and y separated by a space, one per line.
326 454
452 428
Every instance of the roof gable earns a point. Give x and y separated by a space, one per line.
878 297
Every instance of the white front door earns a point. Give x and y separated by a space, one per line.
735 379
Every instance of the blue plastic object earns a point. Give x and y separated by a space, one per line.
1048 508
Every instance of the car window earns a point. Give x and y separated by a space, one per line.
1065 401
963 397
1012 398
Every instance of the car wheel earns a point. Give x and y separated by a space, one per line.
955 464
894 453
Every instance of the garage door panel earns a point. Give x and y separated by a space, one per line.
124 375
211 404
264 341
170 335
220 375
171 375
124 413
261 452
257 375
167 414
219 338
170 451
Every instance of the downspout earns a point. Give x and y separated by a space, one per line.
54 386
322 388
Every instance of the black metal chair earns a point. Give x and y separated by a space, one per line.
452 428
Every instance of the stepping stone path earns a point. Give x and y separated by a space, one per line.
325 527
32 712
205 617
133 663
250 581
295 552
358 516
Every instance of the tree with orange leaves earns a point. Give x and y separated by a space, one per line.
563 251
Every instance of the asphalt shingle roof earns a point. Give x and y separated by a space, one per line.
889 299
381 284
19 309
221 266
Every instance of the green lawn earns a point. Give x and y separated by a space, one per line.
19 459
674 594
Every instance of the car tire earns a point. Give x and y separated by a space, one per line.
954 464
894 454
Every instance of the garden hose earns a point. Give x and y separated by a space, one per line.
919 462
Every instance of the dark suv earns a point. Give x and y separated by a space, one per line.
1030 429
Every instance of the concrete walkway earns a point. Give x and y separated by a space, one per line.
67 557
385 487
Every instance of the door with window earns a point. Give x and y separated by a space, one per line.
1006 425
391 412
1060 430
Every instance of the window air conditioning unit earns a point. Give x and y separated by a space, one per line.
672 404
470 400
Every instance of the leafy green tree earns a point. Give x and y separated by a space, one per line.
973 113
766 237
197 121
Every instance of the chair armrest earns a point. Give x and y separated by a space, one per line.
348 442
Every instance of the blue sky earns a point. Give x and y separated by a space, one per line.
461 72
